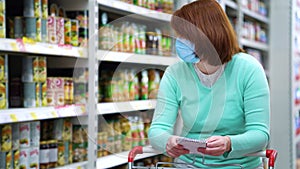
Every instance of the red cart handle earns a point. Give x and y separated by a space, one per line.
135 151
271 155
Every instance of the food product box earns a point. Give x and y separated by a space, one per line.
6 161
15 136
35 131
55 91
6 137
34 153
60 30
24 158
52 30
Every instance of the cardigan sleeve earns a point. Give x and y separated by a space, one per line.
257 113
165 113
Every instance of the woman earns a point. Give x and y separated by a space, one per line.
221 92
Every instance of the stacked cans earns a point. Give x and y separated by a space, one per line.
34 78
2 19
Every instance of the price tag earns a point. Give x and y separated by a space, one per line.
13 118
20 45
54 114
14 46
34 116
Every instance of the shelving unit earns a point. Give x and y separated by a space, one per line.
93 57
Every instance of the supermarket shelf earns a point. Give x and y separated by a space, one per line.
255 15
135 58
297 139
80 165
114 107
118 6
231 4
119 159
254 44
30 47
30 114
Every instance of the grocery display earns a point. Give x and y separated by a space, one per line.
126 98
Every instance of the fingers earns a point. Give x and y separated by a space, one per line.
216 146
173 149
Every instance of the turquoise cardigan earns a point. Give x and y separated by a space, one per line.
237 105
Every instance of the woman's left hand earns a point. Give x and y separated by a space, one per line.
216 145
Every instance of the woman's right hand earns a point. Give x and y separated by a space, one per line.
173 149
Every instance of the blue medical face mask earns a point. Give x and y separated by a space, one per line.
186 50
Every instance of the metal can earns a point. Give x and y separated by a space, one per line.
2 68
44 9
35 132
24 158
6 161
34 154
38 95
44 94
16 158
42 69
29 94
44 155
35 67
44 30
27 69
2 19
74 32
30 27
24 129
18 27
37 8
28 8
38 29
61 154
3 95
6 135
68 31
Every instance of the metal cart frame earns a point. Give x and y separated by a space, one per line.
270 154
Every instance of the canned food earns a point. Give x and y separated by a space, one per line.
2 68
2 19
24 158
74 32
44 155
35 67
35 131
30 27
18 27
68 31
38 95
44 30
61 154
44 9
3 98
16 159
29 94
27 69
15 136
28 8
44 93
38 29
37 8
34 154
6 138
24 130
42 69
6 161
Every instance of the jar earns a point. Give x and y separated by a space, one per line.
53 150
44 155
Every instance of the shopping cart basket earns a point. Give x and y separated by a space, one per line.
268 154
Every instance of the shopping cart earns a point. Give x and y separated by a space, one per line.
268 154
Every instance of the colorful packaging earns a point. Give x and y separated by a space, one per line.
28 68
24 158
16 159
6 161
34 153
38 95
24 130
61 154
35 131
55 91
2 19
3 98
74 32
52 36
35 67
60 30
82 17
37 8
39 29
44 9
42 64
80 143
6 137
44 94
68 31
3 66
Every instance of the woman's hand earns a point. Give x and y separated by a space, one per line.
173 149
216 146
